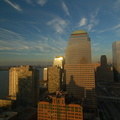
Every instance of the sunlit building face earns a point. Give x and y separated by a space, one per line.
58 61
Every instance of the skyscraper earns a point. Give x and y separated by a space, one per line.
59 61
23 84
116 60
45 74
80 81
54 79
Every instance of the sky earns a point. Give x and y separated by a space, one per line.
33 32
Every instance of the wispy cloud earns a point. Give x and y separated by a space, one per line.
82 22
14 42
95 44
36 28
118 32
29 1
12 53
109 29
58 24
39 2
93 21
14 5
65 8
117 4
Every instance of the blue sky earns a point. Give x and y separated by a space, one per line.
35 31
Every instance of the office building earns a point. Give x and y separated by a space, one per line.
80 79
116 60
24 84
59 61
54 79
104 73
59 107
45 74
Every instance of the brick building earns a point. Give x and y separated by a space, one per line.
59 107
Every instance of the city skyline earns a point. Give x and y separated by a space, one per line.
35 31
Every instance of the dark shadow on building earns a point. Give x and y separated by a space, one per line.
116 75
87 96
28 92
104 73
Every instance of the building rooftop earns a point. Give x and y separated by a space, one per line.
79 32
69 99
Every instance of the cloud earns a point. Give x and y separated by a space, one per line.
29 1
58 24
95 44
14 42
118 32
117 4
12 53
39 2
36 28
93 21
109 29
82 22
14 5
65 8
8 35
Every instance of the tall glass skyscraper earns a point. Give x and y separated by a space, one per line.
80 79
116 60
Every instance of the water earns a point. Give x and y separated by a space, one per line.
4 82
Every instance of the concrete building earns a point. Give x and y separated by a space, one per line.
54 78
24 84
80 79
116 60
59 61
59 107
45 74
104 72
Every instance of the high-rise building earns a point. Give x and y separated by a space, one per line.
54 79
45 74
59 61
116 60
24 84
59 107
104 72
80 79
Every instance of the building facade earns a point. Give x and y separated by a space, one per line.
45 74
59 61
116 60
80 79
57 108
104 73
54 78
24 84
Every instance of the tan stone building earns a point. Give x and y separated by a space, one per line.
54 79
